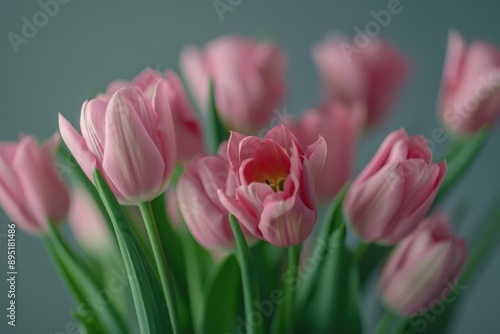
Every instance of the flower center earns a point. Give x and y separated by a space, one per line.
276 184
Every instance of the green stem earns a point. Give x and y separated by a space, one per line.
384 324
459 160
250 286
161 263
284 322
218 132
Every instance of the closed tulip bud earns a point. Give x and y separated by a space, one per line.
31 187
188 130
394 192
275 178
372 74
470 90
423 268
88 223
249 80
129 140
205 216
340 125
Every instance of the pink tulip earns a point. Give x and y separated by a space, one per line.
470 91
188 130
249 80
372 74
423 268
129 140
340 126
205 216
274 198
393 193
88 223
31 188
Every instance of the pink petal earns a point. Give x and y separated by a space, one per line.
132 160
78 147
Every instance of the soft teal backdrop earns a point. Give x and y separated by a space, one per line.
89 43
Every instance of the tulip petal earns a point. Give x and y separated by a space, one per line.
78 147
132 160
316 153
284 137
165 130
286 223
244 217
381 157
92 124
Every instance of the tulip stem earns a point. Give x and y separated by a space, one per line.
384 324
285 315
161 263
290 286
250 286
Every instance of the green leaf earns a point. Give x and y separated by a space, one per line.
370 260
146 291
197 263
217 130
68 165
333 220
75 290
172 243
82 282
222 298
335 305
459 160
88 327
251 294
268 261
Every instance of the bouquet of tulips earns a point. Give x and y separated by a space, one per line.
233 217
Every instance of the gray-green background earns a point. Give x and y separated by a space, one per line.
90 43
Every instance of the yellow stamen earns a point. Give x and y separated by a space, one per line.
276 185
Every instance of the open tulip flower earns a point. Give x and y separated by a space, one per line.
274 198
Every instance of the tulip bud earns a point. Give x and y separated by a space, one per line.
470 91
340 125
393 193
31 188
274 198
423 268
129 140
372 74
88 223
188 130
205 216
249 80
